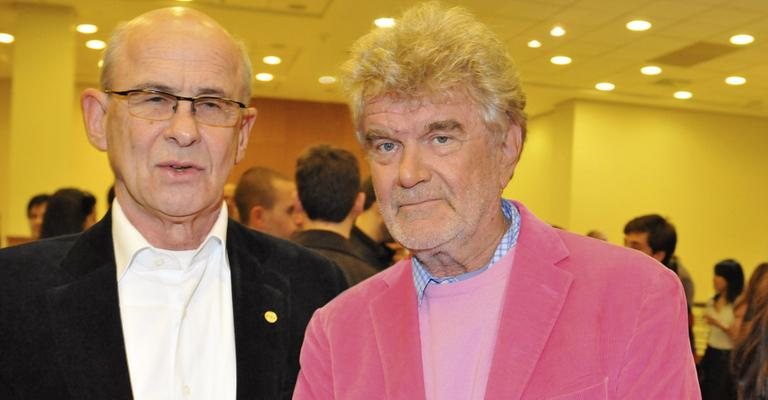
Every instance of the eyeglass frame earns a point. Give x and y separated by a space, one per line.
191 100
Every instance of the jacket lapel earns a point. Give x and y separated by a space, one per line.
397 337
260 345
536 292
85 319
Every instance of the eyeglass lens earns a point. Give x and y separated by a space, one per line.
160 106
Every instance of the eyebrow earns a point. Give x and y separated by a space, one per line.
206 91
445 125
374 133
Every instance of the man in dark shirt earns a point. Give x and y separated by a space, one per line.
328 182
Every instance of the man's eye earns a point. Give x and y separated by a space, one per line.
211 104
153 99
385 147
441 139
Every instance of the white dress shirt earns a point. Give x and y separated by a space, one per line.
176 311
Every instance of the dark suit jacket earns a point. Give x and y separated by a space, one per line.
60 330
337 249
377 254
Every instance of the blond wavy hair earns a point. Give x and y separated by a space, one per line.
431 50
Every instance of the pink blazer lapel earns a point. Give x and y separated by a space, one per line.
535 295
396 327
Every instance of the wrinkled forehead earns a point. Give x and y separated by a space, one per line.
404 104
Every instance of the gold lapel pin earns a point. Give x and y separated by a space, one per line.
270 316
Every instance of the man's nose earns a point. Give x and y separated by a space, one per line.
413 169
183 128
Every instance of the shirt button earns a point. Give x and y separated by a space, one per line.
186 390
159 262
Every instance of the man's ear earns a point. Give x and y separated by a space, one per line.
510 149
255 217
359 202
244 132
94 105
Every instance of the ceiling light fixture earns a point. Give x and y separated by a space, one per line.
100 63
6 38
650 70
95 44
557 31
683 95
735 80
264 77
87 28
534 44
384 22
327 80
742 39
272 60
639 25
560 60
605 86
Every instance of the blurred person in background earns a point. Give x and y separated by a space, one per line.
267 201
744 305
328 182
714 369
69 210
370 236
750 353
35 211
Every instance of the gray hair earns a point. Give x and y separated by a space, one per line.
430 50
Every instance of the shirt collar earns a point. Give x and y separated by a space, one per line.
128 241
422 277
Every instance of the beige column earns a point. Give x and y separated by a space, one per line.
39 147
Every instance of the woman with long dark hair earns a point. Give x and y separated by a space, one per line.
714 369
750 355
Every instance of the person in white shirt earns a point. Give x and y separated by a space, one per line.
164 298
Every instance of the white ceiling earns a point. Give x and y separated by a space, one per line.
312 37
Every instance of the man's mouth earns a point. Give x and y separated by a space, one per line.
180 166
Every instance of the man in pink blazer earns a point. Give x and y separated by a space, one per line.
494 303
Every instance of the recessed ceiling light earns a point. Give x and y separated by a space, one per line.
100 63
742 39
264 77
735 80
272 60
534 44
557 31
683 95
327 80
638 25
384 22
650 70
560 60
6 38
87 28
605 86
95 44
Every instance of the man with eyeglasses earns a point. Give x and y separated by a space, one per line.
164 298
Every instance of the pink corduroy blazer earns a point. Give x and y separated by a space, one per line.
582 319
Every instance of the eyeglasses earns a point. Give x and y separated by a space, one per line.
160 106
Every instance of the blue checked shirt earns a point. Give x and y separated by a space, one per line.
422 277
